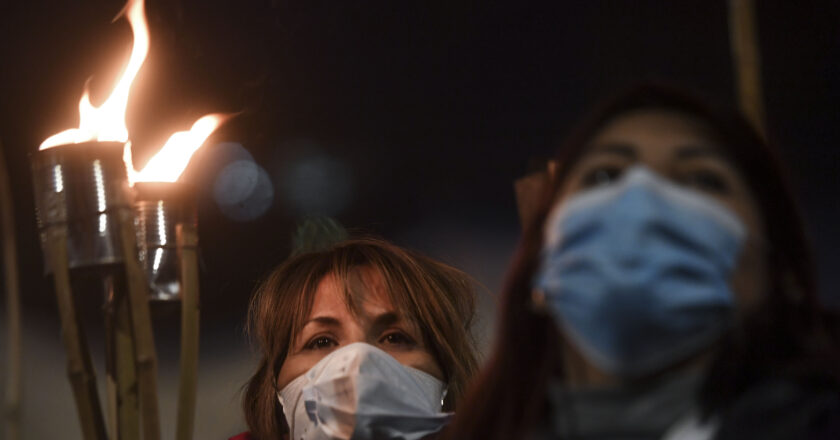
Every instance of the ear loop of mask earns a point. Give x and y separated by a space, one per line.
443 393
536 303
276 373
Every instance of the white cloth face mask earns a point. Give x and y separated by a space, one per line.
362 392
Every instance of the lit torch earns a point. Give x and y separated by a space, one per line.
168 241
162 203
89 197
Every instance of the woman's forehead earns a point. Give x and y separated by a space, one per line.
654 127
654 137
364 292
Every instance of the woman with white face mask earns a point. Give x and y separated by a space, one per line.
664 290
361 340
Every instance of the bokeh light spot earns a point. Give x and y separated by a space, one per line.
243 190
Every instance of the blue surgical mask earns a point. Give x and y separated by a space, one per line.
637 273
361 392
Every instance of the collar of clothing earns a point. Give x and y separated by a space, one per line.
627 411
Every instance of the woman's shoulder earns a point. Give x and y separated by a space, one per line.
243 436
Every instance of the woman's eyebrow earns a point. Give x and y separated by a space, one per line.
328 321
698 151
626 151
388 319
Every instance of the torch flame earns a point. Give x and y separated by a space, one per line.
168 164
107 122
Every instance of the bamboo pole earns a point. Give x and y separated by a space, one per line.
187 242
79 366
122 377
128 416
14 387
110 362
743 33
128 419
145 356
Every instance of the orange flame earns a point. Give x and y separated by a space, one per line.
168 164
107 122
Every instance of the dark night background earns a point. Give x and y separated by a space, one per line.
409 120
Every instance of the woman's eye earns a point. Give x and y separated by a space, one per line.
601 176
321 342
707 181
396 338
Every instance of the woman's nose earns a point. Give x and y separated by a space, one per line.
357 333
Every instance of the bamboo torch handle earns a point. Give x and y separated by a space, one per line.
187 240
145 356
128 417
13 313
122 378
111 397
79 366
743 36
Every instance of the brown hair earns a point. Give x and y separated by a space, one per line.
784 335
438 298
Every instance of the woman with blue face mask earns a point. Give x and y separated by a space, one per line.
360 340
664 290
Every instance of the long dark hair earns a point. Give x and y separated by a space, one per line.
783 335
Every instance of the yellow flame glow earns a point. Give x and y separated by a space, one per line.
107 122
168 164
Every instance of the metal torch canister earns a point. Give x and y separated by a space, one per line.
82 186
159 207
